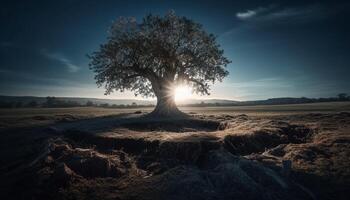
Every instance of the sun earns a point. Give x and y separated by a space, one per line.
182 93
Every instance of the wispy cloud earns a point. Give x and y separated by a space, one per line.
272 12
62 59
252 13
246 15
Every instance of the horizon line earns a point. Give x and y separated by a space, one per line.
154 99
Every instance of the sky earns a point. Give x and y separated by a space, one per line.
277 48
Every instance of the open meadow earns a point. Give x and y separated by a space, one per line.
36 116
247 152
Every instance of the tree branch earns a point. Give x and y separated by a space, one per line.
132 76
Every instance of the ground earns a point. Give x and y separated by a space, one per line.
247 152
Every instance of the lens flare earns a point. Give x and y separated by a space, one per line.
182 93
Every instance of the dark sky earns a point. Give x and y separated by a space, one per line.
277 48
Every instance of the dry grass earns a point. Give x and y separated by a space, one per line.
221 153
40 116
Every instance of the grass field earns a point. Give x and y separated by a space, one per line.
40 116
253 110
216 153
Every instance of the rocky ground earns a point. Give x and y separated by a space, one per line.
129 156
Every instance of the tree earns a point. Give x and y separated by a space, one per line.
89 103
342 96
154 56
51 101
104 105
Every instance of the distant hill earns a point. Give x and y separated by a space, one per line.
83 101
272 101
291 100
207 101
23 101
79 100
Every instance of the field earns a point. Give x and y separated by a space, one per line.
296 151
18 117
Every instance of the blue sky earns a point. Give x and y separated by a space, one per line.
277 48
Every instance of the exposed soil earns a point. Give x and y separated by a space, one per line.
178 125
203 157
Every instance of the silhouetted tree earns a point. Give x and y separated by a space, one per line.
153 56
342 96
89 103
104 105
51 101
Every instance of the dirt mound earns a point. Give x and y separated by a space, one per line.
177 125
260 140
189 148
221 176
321 164
177 170
88 162
70 172
133 159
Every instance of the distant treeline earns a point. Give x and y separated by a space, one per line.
278 101
53 102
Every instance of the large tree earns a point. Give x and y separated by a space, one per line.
154 56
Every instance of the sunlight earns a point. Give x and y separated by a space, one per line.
182 93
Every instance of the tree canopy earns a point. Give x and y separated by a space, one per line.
159 51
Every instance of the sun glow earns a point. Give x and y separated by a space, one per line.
182 93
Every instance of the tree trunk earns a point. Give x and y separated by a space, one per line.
166 106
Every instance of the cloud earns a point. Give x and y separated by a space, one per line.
305 13
246 15
273 13
249 14
62 59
